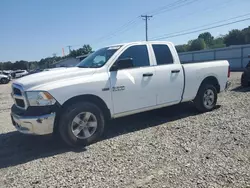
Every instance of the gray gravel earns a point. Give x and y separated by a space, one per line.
171 147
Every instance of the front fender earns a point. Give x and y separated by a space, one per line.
62 91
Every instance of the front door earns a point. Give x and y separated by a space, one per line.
133 88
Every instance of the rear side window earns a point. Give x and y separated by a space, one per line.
163 54
138 53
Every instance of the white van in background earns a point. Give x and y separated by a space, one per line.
21 73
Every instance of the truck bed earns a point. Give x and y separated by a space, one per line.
191 62
196 72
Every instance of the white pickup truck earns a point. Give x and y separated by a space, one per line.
112 82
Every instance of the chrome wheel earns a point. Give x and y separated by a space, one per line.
208 98
84 125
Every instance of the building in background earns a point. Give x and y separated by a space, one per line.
82 57
69 62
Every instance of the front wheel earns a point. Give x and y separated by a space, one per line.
81 124
206 98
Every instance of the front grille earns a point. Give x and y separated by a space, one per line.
20 103
17 91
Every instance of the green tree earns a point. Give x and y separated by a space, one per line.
86 49
234 37
33 65
246 33
43 63
6 65
197 44
190 42
208 38
218 43
182 48
22 65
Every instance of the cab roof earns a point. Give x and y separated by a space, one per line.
139 42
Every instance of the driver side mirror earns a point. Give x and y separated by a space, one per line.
122 64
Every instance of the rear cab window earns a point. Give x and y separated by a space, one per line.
163 54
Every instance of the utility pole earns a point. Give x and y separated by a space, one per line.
69 48
146 18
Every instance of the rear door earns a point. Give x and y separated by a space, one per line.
134 88
169 75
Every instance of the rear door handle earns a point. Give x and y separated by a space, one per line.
175 71
147 74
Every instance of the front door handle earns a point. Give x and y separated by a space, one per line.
175 71
147 74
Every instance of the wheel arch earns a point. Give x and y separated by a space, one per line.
198 101
81 98
211 80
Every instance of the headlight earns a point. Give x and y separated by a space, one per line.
40 98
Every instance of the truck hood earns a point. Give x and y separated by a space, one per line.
47 77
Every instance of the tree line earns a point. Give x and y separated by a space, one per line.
45 62
204 41
207 41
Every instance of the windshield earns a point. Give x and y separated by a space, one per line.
98 58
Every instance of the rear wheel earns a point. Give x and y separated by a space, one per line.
81 124
4 80
206 98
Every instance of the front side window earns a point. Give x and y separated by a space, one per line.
138 53
98 58
163 54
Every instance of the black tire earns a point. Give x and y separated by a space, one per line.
244 82
4 81
199 100
66 120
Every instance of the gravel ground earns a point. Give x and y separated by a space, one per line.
171 147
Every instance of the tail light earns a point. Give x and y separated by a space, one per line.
228 73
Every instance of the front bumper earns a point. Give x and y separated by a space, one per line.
38 125
35 120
